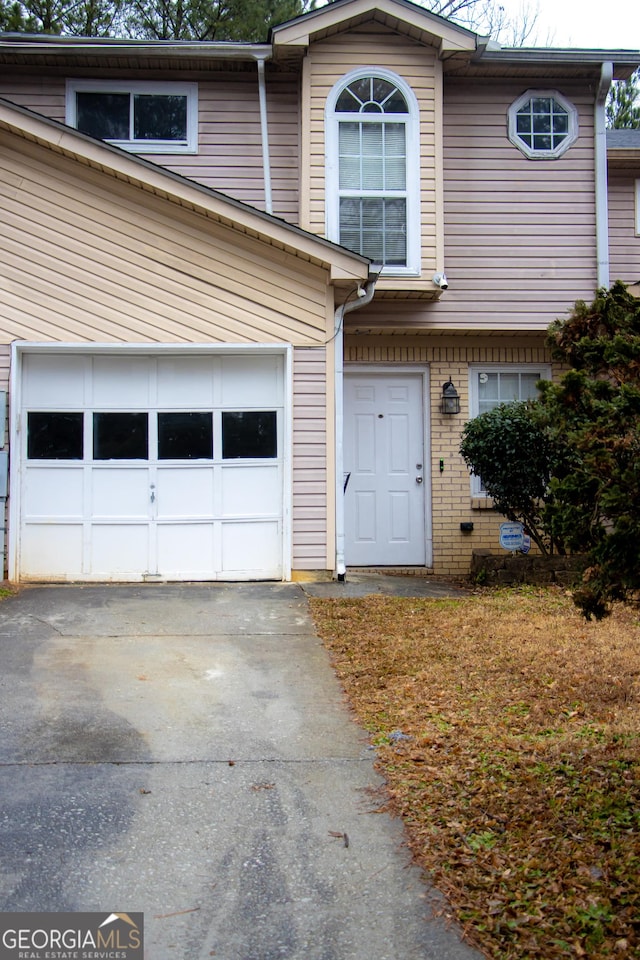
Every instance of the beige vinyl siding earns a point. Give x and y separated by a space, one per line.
449 356
229 157
329 61
44 95
310 457
624 241
519 233
87 257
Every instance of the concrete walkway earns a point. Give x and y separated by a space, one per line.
185 751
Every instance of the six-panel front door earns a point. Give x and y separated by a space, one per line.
384 456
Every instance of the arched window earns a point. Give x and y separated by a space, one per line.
372 170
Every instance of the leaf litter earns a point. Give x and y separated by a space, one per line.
508 731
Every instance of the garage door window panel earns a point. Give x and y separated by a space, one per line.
55 436
185 436
250 435
120 436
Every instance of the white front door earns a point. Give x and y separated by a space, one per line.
144 467
385 470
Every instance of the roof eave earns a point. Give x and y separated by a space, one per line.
63 46
625 61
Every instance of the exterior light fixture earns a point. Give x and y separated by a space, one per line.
450 402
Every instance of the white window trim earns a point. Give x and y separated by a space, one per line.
544 369
570 139
638 207
190 90
412 126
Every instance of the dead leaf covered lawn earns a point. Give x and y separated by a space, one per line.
508 730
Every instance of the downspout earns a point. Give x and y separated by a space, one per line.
365 296
600 157
264 127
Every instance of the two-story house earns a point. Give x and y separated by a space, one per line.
250 293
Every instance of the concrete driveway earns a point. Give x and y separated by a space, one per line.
185 751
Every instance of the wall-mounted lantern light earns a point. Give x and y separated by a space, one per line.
450 402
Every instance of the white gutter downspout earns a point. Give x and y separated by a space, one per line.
264 127
365 296
600 156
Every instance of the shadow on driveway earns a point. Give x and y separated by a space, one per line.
185 751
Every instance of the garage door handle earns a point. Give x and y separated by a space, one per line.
153 495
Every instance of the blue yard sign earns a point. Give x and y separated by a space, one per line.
511 536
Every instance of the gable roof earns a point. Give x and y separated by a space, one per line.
399 15
342 264
461 49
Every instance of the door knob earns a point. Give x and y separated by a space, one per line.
418 479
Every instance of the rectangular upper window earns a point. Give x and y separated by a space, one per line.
137 116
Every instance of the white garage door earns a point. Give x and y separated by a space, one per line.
151 467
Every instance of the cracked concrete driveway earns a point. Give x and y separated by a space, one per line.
185 751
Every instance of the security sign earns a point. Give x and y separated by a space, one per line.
511 536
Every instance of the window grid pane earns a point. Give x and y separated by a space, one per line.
542 124
159 117
504 387
104 116
498 387
132 116
375 228
371 95
372 170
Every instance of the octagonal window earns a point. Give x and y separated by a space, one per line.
542 124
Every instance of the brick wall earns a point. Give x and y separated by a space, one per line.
446 357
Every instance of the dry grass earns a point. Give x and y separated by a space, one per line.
508 729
